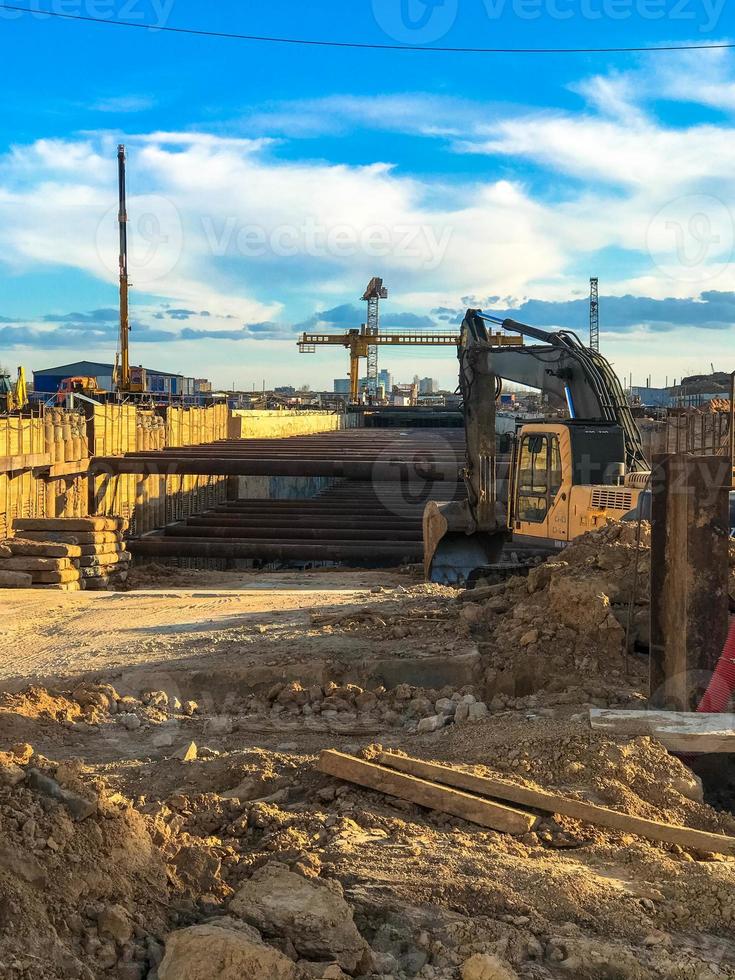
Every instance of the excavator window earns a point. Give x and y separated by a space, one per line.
533 479
539 477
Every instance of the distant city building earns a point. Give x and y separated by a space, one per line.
385 379
285 390
341 386
428 386
202 386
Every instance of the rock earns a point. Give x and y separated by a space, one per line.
225 952
322 971
529 638
403 692
311 912
23 752
11 774
129 720
130 971
462 713
431 724
477 711
189 707
472 613
445 706
187 753
539 577
21 865
198 866
163 740
113 921
483 966
78 806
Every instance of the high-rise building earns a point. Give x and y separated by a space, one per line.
428 386
341 386
385 379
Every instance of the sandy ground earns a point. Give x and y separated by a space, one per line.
190 620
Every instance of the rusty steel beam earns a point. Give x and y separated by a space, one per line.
165 465
339 551
288 533
272 520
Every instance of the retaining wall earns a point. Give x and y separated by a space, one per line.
44 461
276 425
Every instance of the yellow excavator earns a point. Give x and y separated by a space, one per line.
13 396
565 476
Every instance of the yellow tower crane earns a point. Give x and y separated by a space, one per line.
359 342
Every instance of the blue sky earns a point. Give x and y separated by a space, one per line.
268 183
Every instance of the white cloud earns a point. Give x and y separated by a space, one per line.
123 103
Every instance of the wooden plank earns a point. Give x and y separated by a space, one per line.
32 563
109 538
70 524
15 580
679 731
60 577
77 467
24 461
699 840
44 549
472 808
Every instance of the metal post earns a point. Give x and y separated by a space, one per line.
122 217
689 575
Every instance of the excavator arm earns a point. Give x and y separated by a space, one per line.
561 366
461 536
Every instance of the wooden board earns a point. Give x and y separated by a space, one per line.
60 586
54 578
74 537
15 580
107 548
104 561
24 461
679 731
483 812
699 840
32 563
69 524
43 549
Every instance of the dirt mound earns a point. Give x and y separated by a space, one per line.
84 890
564 625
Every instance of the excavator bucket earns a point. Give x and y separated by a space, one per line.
455 552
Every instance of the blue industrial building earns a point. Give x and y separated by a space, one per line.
48 380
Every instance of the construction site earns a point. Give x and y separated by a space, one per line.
379 691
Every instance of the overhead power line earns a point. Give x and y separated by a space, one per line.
313 42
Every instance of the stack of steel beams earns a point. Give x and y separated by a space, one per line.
352 522
370 514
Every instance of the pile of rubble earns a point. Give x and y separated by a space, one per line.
84 889
564 626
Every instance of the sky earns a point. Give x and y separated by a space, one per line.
268 183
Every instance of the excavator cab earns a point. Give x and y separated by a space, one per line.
567 477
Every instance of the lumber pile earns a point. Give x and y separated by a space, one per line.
67 554
485 799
